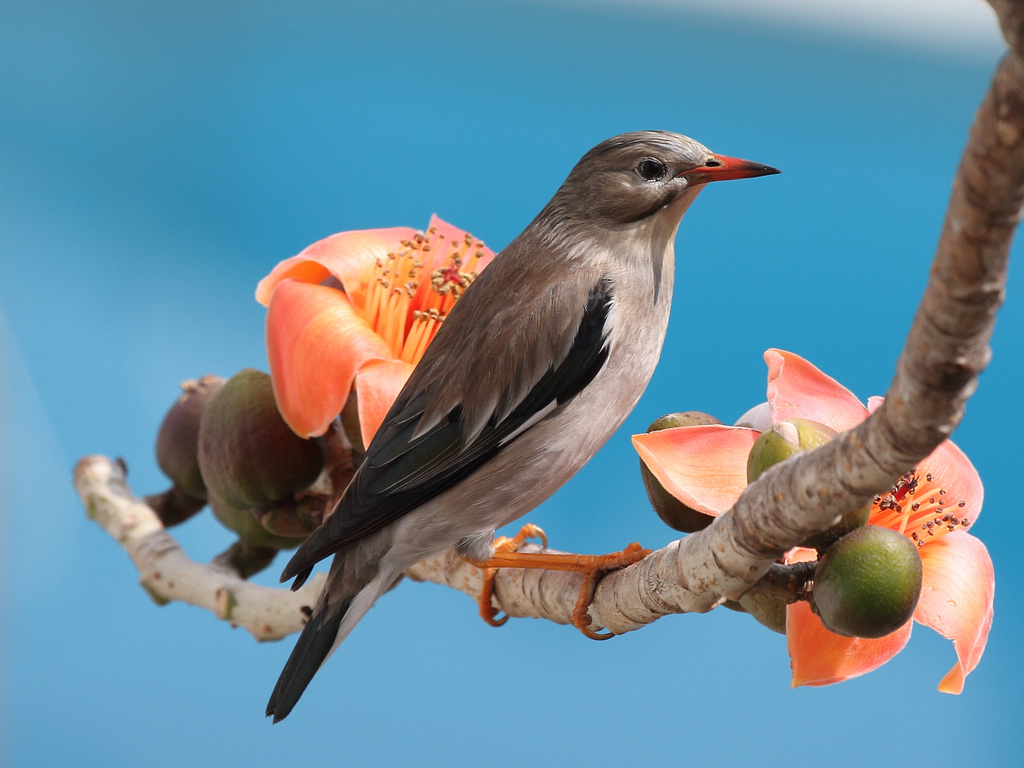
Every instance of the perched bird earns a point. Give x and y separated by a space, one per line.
532 371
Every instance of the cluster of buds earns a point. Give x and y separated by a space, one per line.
225 444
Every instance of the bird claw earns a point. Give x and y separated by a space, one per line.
596 569
592 567
504 545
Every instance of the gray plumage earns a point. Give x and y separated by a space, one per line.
532 371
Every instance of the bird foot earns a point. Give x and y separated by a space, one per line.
592 567
503 545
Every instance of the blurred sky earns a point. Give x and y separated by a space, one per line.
157 159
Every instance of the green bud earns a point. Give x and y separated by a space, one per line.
685 419
177 442
783 440
294 518
768 610
786 439
246 523
868 583
248 455
849 522
671 510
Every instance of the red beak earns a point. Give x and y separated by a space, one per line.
723 168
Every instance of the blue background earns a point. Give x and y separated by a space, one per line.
156 160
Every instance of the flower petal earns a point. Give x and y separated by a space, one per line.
348 256
797 389
315 344
820 657
378 383
758 418
956 599
705 467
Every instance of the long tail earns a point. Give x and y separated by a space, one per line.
311 650
333 619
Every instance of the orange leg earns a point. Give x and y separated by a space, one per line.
503 545
593 568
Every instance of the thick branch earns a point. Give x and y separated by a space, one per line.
168 574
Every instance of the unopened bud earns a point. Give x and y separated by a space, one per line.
786 439
177 442
294 519
246 523
783 440
868 583
671 510
248 455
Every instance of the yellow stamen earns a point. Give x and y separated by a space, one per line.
429 322
403 310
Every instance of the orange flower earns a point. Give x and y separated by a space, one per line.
705 467
358 309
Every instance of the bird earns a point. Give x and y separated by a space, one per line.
530 373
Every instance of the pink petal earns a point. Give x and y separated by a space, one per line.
377 385
705 467
956 599
801 555
797 389
315 344
348 256
820 657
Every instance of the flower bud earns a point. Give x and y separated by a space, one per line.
246 523
849 522
868 583
783 440
790 437
671 510
768 610
177 442
248 455
294 518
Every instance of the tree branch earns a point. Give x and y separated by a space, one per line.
946 349
168 574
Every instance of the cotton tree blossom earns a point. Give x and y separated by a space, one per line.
934 505
358 309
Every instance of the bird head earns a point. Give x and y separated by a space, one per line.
631 177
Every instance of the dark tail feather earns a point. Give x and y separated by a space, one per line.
312 647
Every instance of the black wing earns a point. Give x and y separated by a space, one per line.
403 470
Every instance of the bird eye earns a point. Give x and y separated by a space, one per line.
650 169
